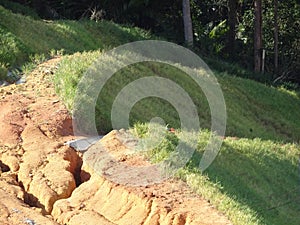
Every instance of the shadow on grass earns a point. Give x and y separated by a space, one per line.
32 36
264 181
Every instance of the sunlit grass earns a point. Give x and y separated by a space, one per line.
250 181
253 109
22 36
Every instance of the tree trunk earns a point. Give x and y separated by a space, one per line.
257 35
232 21
276 31
187 23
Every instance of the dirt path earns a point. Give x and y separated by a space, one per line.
42 181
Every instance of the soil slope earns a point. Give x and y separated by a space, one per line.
42 181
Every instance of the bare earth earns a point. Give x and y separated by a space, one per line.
42 181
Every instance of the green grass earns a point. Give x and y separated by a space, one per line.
236 70
254 110
22 36
19 8
254 179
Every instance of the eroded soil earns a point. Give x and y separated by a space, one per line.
42 181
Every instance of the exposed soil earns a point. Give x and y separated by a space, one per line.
42 181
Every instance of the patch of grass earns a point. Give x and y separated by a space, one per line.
71 71
22 36
3 72
252 181
258 178
35 60
257 110
12 51
236 70
165 147
254 110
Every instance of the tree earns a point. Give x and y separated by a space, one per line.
257 35
187 23
276 31
232 21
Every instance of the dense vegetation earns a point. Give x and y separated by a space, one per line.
221 28
254 179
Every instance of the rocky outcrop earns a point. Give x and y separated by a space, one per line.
170 202
33 127
46 172
13 210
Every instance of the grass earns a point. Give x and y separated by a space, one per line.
252 181
236 70
255 177
254 110
22 36
19 8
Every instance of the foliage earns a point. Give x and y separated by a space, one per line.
11 49
19 8
289 20
163 149
164 18
3 72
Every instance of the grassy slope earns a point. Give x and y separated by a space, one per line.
254 179
254 110
22 36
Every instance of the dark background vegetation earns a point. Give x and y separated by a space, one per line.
210 27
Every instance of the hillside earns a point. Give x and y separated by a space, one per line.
24 38
255 177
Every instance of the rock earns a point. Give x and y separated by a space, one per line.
46 172
32 133
99 199
83 144
11 161
22 80
4 84
13 211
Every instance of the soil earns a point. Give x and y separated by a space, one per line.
43 181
